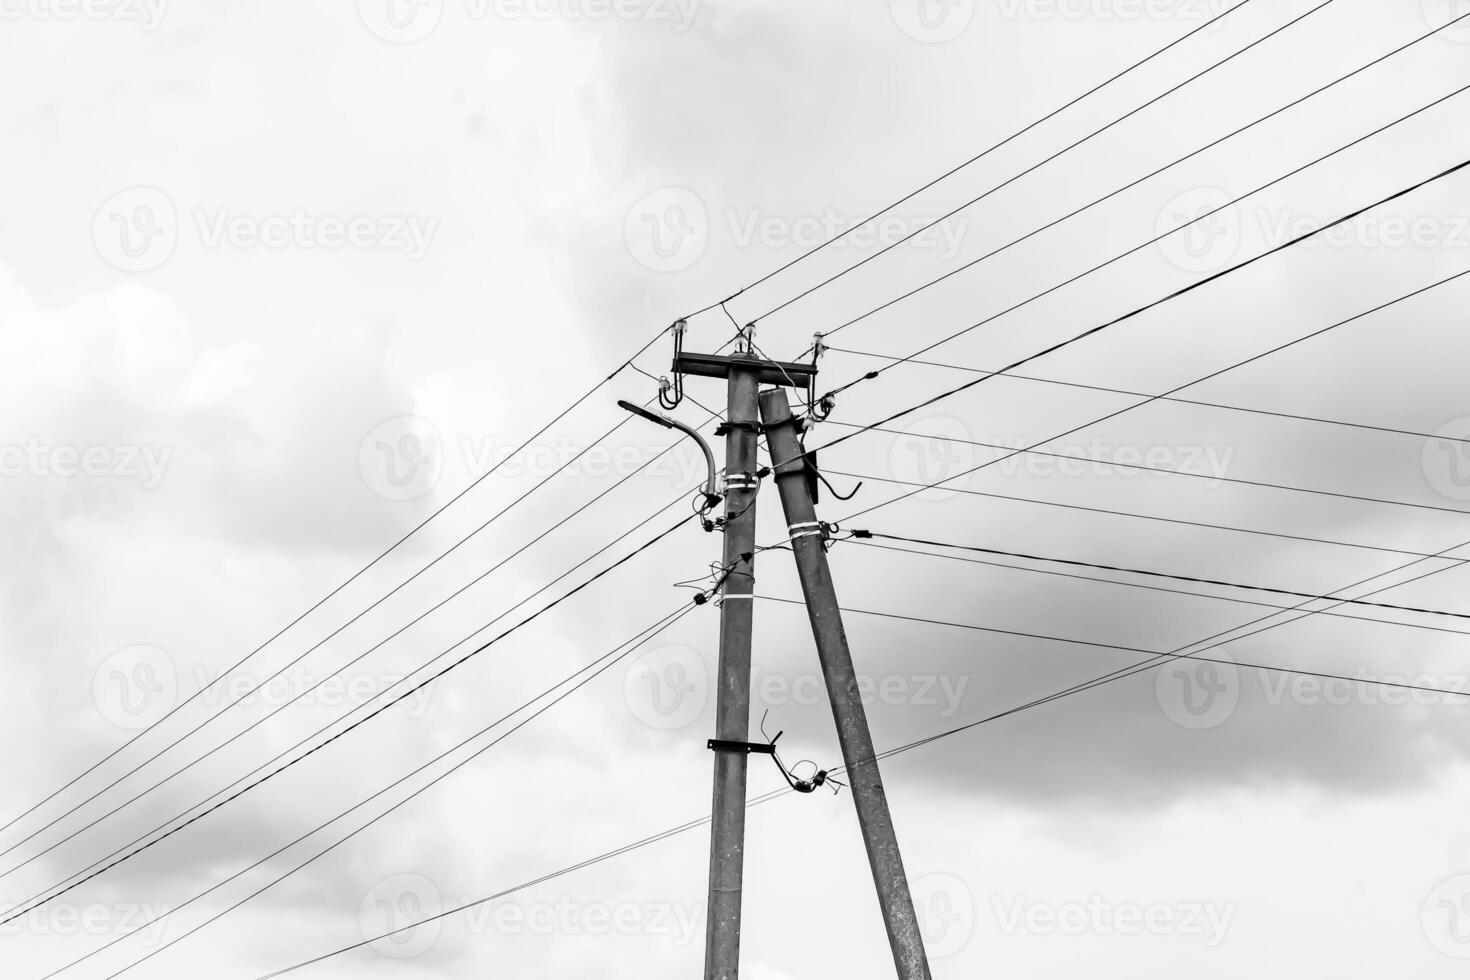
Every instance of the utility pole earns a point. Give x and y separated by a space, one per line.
807 542
744 372
732 711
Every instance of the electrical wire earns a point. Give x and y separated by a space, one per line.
320 602
354 710
1237 600
784 791
1080 386
1144 468
1207 25
366 718
1198 284
1147 177
1196 580
1128 115
1205 525
597 668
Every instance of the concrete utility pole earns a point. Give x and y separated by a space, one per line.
732 712
745 372
842 688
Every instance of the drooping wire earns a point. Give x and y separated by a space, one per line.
320 602
596 668
1196 580
1207 25
973 201
1141 180
11 916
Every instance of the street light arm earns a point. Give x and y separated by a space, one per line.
711 484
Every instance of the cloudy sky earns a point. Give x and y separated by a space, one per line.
279 281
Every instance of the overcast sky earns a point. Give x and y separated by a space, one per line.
279 280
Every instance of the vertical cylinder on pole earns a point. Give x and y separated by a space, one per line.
842 688
732 717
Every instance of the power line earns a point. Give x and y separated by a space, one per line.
1161 170
1128 115
1172 391
1213 22
1151 588
381 694
1153 241
1139 394
685 827
1205 525
350 728
597 668
1013 451
1198 284
316 646
355 575
1196 580
1272 668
